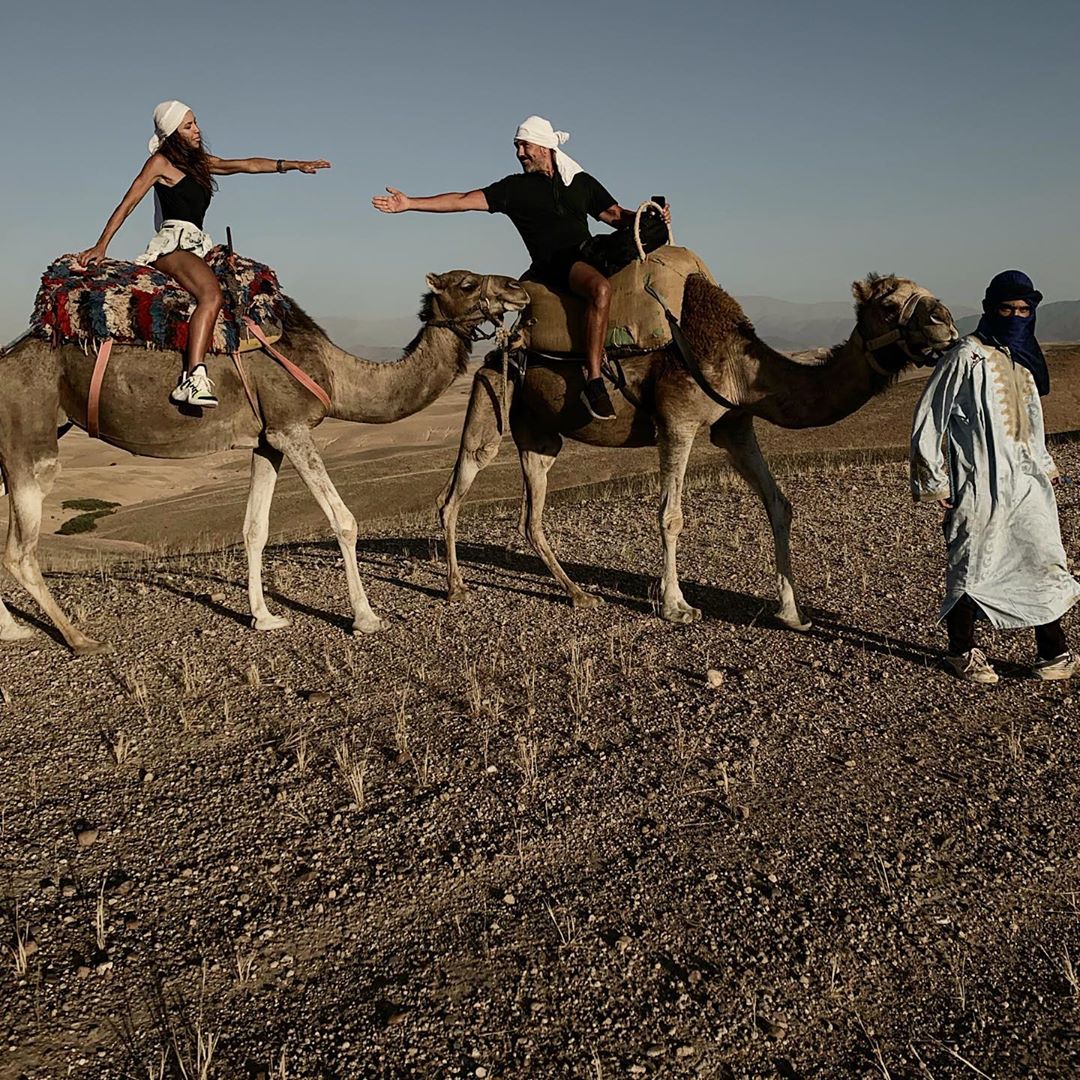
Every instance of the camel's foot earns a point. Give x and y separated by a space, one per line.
681 613
586 601
270 622
90 647
457 592
15 632
370 625
793 620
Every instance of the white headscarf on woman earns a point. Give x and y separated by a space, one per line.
536 129
167 117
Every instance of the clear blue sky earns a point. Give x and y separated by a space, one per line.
800 144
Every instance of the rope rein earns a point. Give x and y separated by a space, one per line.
648 204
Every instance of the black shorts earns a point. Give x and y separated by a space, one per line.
554 272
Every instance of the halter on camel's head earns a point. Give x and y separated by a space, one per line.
463 302
900 323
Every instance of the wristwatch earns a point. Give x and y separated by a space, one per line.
280 165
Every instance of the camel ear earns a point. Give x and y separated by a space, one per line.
862 291
435 282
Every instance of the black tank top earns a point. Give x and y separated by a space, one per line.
185 201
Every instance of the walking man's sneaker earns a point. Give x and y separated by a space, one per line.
195 388
595 398
1060 667
972 666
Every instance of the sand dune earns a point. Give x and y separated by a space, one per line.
388 470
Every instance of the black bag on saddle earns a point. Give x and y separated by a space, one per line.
610 252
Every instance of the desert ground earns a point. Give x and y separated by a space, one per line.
505 838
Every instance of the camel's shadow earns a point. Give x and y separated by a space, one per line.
381 559
618 587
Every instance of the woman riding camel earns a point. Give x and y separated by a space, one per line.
181 173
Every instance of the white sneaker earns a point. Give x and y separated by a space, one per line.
1061 667
195 388
972 666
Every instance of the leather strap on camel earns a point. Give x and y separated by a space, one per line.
301 376
689 360
93 401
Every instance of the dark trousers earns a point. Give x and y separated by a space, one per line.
960 622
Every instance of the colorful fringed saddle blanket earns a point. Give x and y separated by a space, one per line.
138 305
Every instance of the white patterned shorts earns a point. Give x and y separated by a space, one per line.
175 236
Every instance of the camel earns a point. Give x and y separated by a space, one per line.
41 384
897 324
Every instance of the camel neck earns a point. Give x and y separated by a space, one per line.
368 392
793 394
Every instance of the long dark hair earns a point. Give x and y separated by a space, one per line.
190 160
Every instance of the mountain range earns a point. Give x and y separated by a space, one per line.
784 324
1057 321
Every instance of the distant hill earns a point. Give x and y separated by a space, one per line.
784 324
1059 321
373 339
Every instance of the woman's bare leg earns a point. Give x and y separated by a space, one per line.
189 270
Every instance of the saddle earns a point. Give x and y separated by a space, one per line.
123 303
138 305
637 323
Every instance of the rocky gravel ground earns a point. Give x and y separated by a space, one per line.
510 839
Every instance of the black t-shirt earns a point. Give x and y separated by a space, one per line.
550 219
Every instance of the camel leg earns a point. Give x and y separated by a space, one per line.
28 484
481 436
265 463
674 453
298 445
735 434
535 464
10 630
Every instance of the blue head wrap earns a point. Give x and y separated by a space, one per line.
1016 333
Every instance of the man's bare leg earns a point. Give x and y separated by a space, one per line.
588 283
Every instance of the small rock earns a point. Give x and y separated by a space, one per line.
217 597
316 697
86 836
67 887
655 1050
742 812
509 899
480 1071
714 678
684 1051
775 1029
83 971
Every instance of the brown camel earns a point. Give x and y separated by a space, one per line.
42 383
663 405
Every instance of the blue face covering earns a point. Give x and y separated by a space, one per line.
1017 334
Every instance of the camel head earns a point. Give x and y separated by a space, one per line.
464 301
900 322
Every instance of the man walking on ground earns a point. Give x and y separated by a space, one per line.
978 449
548 202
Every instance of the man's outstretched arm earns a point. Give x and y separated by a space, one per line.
450 203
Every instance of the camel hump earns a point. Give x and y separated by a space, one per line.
637 322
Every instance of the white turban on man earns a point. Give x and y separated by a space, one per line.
537 130
167 118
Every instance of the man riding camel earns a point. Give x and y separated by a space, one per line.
548 202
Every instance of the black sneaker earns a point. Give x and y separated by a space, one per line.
595 398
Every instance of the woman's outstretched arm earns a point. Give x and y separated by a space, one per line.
151 172
228 166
